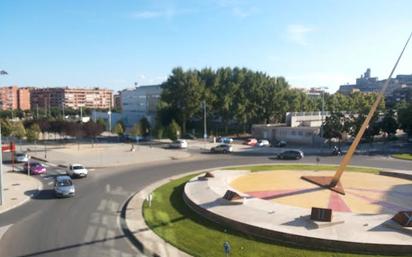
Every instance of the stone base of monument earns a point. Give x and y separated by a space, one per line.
275 213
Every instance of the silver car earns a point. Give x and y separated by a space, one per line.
22 157
63 186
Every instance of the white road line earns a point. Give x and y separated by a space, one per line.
110 236
4 229
95 218
102 205
90 232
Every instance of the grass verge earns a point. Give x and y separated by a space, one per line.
403 156
171 219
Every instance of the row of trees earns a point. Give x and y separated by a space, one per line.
30 129
241 97
340 123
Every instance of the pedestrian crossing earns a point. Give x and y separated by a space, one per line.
4 229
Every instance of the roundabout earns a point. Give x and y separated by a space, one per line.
274 209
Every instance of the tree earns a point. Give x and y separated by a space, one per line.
145 126
118 129
183 91
136 130
101 122
405 117
173 130
6 128
33 132
334 126
18 130
389 124
92 129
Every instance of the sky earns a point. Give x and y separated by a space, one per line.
115 43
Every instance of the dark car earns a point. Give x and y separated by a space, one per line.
222 148
291 155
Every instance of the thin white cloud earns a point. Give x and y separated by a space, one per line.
238 8
243 12
167 13
297 33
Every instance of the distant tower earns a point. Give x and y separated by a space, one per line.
367 73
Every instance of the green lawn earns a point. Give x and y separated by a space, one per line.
172 220
403 156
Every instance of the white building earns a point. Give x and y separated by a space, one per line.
300 128
138 103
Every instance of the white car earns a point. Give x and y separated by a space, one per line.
77 170
263 142
22 157
180 143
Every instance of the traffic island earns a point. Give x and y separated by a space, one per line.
191 231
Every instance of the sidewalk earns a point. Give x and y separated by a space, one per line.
18 188
103 155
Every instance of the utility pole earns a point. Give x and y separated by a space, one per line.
81 114
2 72
37 111
110 114
204 121
1 170
45 107
63 110
322 117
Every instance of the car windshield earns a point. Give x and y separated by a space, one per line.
78 167
64 183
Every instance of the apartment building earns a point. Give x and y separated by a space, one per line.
139 102
12 98
95 98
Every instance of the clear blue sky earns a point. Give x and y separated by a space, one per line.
112 43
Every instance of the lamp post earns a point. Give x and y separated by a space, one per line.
321 118
2 72
204 121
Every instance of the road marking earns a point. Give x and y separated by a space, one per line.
90 232
102 205
4 229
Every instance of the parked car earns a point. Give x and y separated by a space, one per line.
189 136
262 143
22 157
291 155
77 170
251 141
178 144
222 148
336 151
63 186
36 168
280 143
224 140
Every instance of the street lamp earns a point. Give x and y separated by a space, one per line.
204 121
322 114
2 72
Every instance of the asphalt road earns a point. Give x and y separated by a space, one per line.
89 223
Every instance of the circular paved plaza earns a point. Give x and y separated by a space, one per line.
365 193
276 205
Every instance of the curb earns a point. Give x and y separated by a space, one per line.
148 242
136 229
39 188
